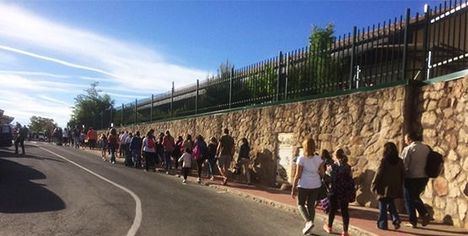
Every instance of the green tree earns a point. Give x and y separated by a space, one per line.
324 68
90 107
311 71
40 124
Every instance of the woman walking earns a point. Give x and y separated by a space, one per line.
342 191
244 159
388 185
113 144
149 149
307 180
212 146
199 154
104 145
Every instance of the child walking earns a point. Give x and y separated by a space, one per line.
186 160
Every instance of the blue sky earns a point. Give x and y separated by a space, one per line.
51 50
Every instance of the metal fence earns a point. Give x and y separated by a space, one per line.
404 48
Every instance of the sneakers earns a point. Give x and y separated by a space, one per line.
396 225
113 162
184 181
412 225
167 172
212 178
327 229
198 180
308 226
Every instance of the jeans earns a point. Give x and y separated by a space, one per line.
412 191
167 160
112 151
387 204
212 166
343 205
307 197
136 158
245 165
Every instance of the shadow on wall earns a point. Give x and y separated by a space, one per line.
264 167
364 196
19 194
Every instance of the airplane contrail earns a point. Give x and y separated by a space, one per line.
55 60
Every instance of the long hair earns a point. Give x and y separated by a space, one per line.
390 153
309 147
341 156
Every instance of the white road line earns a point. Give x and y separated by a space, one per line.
138 213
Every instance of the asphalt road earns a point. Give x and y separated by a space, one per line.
44 194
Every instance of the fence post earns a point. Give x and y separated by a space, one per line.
151 110
286 75
196 97
231 74
172 99
110 118
405 44
351 64
136 111
278 79
122 115
425 67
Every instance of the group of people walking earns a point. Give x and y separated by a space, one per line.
163 151
319 180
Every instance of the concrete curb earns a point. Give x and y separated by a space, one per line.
353 230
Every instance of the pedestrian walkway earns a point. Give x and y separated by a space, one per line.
363 219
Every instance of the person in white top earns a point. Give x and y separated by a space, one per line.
149 149
186 160
307 180
414 157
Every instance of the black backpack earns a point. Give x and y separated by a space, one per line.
434 163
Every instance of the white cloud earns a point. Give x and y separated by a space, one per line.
22 106
131 64
19 83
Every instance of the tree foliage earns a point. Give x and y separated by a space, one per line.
90 107
40 124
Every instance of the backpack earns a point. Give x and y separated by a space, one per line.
344 185
196 152
434 163
150 143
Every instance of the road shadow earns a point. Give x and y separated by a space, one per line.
9 152
18 194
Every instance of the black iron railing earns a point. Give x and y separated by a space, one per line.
405 48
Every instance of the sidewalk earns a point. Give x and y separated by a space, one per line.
362 222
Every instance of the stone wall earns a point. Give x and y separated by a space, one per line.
444 111
360 123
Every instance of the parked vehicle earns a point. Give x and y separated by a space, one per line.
6 135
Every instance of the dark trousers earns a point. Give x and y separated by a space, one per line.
412 192
307 197
19 141
112 153
185 171
387 204
335 203
149 159
200 166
